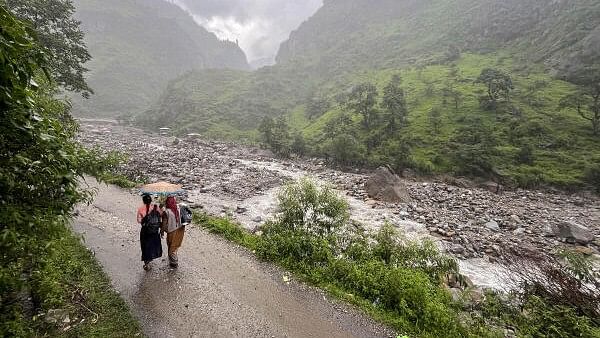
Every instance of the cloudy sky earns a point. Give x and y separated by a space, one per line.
259 25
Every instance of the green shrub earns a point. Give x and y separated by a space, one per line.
317 210
554 298
40 169
592 176
526 155
529 178
313 237
411 294
226 228
118 180
294 246
541 319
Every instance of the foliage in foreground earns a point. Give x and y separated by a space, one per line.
40 168
395 280
69 278
558 296
400 282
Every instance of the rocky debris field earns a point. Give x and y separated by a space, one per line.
242 181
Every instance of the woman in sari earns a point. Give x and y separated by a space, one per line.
149 216
171 224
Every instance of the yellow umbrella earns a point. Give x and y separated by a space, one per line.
161 188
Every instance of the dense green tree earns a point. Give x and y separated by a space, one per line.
275 135
317 106
40 167
498 83
62 37
452 95
592 176
394 152
586 101
266 130
299 144
345 149
472 148
526 155
282 141
395 111
435 120
452 53
341 124
362 101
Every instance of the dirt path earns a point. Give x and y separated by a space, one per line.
220 290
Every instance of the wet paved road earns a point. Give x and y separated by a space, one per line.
219 290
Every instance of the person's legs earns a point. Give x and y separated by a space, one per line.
174 240
173 260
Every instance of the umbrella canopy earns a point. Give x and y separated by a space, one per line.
161 188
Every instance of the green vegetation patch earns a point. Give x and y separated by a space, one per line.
403 283
50 285
71 281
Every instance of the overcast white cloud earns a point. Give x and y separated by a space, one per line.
259 25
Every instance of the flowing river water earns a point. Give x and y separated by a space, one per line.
243 182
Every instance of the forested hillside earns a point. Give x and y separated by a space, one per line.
138 46
503 89
359 34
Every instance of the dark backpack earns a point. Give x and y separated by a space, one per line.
186 214
151 222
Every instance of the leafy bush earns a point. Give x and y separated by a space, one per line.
40 167
312 235
226 228
526 155
529 178
400 282
555 298
345 149
592 176
306 206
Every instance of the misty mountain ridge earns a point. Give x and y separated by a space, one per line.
358 33
138 47
437 47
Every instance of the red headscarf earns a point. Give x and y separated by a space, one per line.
172 205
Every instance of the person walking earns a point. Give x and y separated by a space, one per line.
149 216
171 224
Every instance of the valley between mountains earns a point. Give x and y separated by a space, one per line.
471 223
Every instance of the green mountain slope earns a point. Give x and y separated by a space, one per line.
388 33
138 46
439 48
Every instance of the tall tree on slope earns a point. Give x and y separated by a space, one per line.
60 34
586 100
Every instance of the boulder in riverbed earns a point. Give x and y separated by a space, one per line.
574 233
384 185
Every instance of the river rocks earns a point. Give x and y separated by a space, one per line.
453 210
457 249
386 186
492 225
492 187
573 232
57 316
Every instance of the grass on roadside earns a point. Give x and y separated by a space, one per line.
405 284
72 279
119 180
71 296
328 276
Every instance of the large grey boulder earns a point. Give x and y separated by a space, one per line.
574 233
384 185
